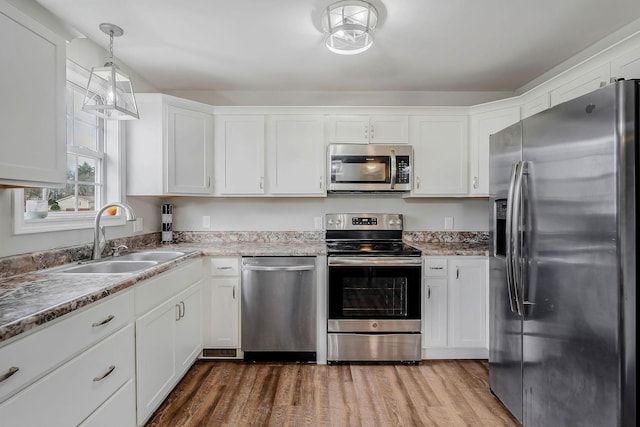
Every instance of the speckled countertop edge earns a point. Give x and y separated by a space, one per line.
33 299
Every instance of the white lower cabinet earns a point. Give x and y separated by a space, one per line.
70 393
455 308
168 336
71 368
118 410
222 313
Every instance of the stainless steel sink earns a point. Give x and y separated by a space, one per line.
160 256
110 267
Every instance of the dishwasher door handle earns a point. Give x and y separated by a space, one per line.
279 268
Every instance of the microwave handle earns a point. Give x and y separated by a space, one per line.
393 169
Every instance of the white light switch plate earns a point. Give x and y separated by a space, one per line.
448 223
138 224
317 223
206 221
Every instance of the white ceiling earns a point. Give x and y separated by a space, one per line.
420 45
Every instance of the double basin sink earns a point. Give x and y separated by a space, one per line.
130 262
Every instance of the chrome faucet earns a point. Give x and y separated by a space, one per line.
99 241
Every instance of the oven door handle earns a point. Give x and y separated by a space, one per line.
277 268
374 261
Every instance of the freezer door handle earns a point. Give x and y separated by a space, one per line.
516 238
508 237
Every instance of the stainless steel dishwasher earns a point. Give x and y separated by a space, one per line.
278 308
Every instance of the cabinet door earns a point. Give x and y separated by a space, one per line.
483 125
626 66
295 155
155 357
189 151
224 327
536 105
435 312
389 129
440 149
239 154
349 129
32 112
582 84
467 303
188 327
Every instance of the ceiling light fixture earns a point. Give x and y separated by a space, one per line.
109 92
349 26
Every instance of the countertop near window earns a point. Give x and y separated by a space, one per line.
33 299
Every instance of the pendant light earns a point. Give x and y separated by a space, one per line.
109 92
349 26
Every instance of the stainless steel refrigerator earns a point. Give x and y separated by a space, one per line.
563 199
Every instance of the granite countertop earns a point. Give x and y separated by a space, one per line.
37 297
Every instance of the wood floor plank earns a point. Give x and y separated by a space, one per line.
233 393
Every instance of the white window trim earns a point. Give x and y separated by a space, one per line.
114 179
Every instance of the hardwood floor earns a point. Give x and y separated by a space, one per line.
434 393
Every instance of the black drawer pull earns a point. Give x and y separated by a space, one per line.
12 370
104 322
105 375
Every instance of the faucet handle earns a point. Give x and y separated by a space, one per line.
119 249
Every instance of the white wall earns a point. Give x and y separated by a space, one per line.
287 214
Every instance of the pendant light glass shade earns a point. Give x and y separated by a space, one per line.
109 92
349 26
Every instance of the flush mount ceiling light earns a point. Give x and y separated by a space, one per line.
109 92
349 26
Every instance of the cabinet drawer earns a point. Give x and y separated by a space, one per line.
40 352
435 267
118 410
224 267
72 392
153 292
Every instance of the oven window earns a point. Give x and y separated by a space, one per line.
374 292
374 297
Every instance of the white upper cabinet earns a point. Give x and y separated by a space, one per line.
170 148
626 66
364 129
535 105
582 84
440 149
296 155
32 112
483 125
239 154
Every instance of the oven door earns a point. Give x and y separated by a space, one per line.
384 289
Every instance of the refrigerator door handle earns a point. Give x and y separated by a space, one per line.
515 233
508 237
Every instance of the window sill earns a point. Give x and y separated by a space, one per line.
58 221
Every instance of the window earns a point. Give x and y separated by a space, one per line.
74 205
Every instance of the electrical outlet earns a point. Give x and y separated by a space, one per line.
448 223
138 224
206 221
317 223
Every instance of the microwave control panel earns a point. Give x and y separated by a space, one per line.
404 170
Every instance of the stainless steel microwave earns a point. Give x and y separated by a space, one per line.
369 168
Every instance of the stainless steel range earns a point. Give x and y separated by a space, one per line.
374 290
